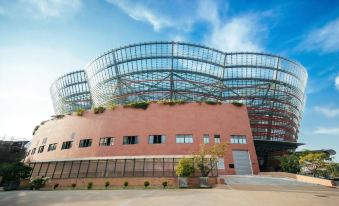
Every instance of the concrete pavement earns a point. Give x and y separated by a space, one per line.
223 195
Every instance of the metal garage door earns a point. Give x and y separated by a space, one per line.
242 163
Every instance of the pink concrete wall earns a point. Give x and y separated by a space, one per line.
192 118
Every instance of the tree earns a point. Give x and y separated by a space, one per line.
314 163
185 167
290 163
207 157
14 171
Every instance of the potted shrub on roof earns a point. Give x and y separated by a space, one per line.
184 169
206 161
11 174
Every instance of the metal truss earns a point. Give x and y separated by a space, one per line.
271 86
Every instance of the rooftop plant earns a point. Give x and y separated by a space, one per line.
98 110
80 112
171 102
211 102
238 104
138 105
112 106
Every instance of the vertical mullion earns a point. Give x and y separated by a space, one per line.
62 170
173 168
47 168
79 169
105 173
96 169
123 172
163 166
89 163
70 171
143 167
133 167
153 167
56 164
40 168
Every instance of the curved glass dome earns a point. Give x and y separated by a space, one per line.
272 87
71 92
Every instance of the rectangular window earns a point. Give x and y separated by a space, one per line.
66 145
238 139
184 138
156 139
106 141
217 139
41 149
33 151
85 143
206 139
130 140
52 147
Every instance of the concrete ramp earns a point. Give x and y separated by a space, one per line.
261 180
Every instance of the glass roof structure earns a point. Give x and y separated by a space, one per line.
272 87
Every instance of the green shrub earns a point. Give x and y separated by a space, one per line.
238 104
171 102
73 186
185 167
164 184
125 184
59 116
35 129
55 186
112 106
137 105
98 110
146 184
210 102
290 163
38 182
107 184
80 112
89 185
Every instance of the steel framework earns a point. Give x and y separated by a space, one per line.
71 92
271 86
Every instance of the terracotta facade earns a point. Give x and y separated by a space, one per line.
191 118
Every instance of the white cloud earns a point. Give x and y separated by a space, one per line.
238 33
53 8
324 39
327 111
337 82
327 131
141 12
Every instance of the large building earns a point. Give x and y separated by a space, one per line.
271 87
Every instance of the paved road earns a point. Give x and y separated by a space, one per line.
222 195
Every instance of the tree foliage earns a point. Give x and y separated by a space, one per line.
207 157
290 163
314 163
185 167
14 171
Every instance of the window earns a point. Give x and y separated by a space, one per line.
106 141
29 152
238 139
66 145
156 139
206 139
41 149
52 147
33 151
85 143
217 139
44 140
184 138
130 140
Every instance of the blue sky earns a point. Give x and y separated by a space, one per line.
41 40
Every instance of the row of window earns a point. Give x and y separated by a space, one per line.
152 139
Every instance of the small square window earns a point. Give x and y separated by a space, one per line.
106 141
41 149
130 140
85 143
156 139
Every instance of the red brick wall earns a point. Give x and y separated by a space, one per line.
192 118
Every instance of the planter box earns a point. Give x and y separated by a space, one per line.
11 185
183 182
203 182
